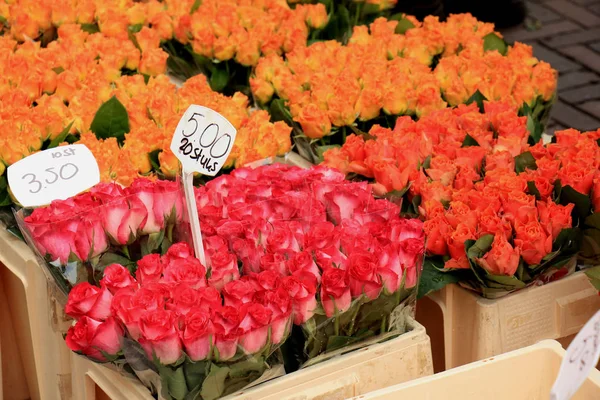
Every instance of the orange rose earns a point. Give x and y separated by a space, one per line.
471 156
314 121
432 209
460 263
390 176
248 52
369 104
502 259
519 206
169 164
548 168
316 15
514 145
499 159
460 213
456 240
579 177
465 177
533 241
437 230
435 191
491 224
147 39
154 62
442 169
555 217
263 91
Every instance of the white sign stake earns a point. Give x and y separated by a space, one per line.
581 357
53 174
202 142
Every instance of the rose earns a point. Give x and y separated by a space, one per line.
442 169
229 230
274 262
579 177
345 201
322 235
267 280
226 321
177 251
95 339
401 229
519 206
149 269
248 253
533 242
465 177
129 306
197 335
555 217
437 230
459 212
238 292
210 298
362 269
302 287
280 304
490 224
502 259
214 244
90 239
314 122
254 322
282 241
159 336
184 300
456 241
335 291
305 262
377 211
189 271
389 177
87 300
224 268
162 199
410 252
116 277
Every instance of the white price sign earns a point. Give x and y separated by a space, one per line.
53 174
203 140
581 357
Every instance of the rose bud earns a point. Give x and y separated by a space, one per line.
122 217
162 200
93 338
533 242
304 261
555 217
282 241
177 251
280 304
91 301
237 293
149 269
321 236
255 320
363 275
302 287
210 298
226 321
117 277
502 259
248 253
198 335
224 269
188 271
335 291
184 300
129 307
90 239
159 336
410 252
274 262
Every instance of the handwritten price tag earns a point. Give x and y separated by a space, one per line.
581 357
53 174
203 140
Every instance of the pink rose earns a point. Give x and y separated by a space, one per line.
188 271
178 251
129 306
303 261
226 321
210 298
335 291
198 335
280 304
346 200
184 300
87 300
274 262
321 236
90 238
159 336
254 322
331 257
363 275
410 253
224 269
163 200
248 253
93 338
268 280
238 292
282 241
117 277
149 269
302 287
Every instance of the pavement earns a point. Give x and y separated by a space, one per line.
566 34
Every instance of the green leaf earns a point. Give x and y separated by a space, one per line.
427 162
111 120
61 136
477 98
469 141
594 276
195 6
582 203
135 28
533 190
524 161
153 156
491 41
195 372
279 112
479 248
434 279
246 367
175 380
404 24
58 70
214 384
90 28
5 199
219 79
535 129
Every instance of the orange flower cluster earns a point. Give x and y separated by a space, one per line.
328 85
44 90
459 168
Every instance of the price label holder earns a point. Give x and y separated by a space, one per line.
202 142
581 357
53 174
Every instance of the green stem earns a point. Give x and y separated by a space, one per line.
383 328
353 320
358 12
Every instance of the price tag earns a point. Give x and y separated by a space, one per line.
203 140
53 174
581 357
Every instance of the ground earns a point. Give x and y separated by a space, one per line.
566 33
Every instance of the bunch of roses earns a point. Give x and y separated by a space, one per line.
87 225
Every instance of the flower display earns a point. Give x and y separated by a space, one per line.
498 211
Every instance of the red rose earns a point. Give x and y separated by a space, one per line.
226 321
163 200
117 277
331 257
322 235
188 271
377 211
184 300
533 242
209 298
274 262
490 224
267 280
90 238
302 287
502 259
410 252
214 244
280 304
335 291
229 230
282 241
198 335
303 261
224 269
248 253
160 336
129 307
238 292
178 251
437 230
555 217
456 241
254 321
364 279
91 301
149 269
93 338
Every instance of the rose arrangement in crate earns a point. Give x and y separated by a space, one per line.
385 75
499 214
